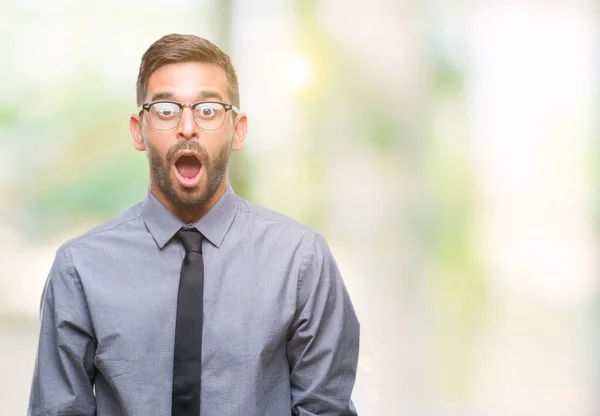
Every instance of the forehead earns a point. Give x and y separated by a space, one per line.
188 81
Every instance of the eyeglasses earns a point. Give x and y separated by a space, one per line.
166 115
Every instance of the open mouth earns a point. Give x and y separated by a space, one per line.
188 169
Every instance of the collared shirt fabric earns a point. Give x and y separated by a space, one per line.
280 333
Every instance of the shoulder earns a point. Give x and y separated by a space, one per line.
278 229
115 228
265 220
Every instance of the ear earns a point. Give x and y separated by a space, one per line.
240 130
135 128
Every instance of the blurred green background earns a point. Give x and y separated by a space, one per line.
447 150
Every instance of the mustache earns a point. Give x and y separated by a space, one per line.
189 145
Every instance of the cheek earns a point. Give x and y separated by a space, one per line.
214 144
158 145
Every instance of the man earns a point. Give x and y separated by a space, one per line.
194 302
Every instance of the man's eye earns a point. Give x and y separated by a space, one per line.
207 112
165 111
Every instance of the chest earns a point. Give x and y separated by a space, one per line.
249 299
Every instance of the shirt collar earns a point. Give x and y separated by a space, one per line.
163 225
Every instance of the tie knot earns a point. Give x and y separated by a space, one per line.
191 239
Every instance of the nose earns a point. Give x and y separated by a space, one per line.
187 128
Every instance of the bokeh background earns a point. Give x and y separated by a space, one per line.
447 150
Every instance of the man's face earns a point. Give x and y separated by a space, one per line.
188 164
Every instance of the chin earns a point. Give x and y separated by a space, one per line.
192 197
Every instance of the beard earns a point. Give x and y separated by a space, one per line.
215 170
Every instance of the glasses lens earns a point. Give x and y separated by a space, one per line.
164 116
209 116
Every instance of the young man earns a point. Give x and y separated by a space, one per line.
194 301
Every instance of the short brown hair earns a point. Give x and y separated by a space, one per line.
175 48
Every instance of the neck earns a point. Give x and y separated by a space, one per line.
189 214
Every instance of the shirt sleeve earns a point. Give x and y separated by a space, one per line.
322 348
64 369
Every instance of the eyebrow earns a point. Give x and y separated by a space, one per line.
202 95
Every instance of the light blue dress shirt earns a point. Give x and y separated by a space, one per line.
280 334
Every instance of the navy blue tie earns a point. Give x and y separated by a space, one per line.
187 358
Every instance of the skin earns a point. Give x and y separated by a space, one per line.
188 82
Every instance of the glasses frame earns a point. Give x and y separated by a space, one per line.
146 106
